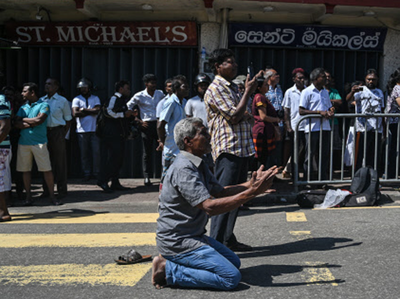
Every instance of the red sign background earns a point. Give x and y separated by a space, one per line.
103 33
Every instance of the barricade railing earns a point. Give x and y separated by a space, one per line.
349 170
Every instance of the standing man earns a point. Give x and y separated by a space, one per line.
147 101
231 137
275 96
112 141
195 107
291 103
160 105
32 119
368 99
58 124
315 100
173 111
85 108
5 157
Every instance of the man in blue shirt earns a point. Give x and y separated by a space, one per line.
32 120
173 111
5 157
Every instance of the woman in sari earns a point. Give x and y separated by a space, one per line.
264 132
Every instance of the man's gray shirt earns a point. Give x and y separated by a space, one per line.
181 225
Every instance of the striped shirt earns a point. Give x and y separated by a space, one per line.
221 99
5 112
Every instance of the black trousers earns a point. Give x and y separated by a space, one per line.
301 141
313 147
229 170
370 154
392 159
111 158
149 138
58 157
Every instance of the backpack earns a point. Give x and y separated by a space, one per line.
365 188
306 199
100 122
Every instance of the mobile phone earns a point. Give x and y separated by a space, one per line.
361 88
250 70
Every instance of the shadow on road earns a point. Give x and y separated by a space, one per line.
315 244
262 275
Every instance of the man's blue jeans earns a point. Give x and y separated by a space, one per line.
90 153
214 266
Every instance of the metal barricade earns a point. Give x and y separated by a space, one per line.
340 178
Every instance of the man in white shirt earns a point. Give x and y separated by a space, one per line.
315 100
291 104
85 108
58 124
368 100
147 101
195 107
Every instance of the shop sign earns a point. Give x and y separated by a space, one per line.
103 33
318 37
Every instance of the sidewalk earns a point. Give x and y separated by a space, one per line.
88 193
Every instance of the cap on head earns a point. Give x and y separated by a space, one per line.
202 78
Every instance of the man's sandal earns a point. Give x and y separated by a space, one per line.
132 257
5 218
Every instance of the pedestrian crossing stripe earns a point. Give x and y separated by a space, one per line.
302 235
72 274
295 217
317 273
77 240
81 218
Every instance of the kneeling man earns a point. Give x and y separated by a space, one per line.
189 195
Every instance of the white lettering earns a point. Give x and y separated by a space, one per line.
105 34
157 35
37 30
127 34
87 34
143 32
182 34
21 33
80 33
66 37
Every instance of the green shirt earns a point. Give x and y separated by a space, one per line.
34 135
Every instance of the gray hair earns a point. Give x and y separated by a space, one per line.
186 128
316 73
268 74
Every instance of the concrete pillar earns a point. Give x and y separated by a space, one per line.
391 57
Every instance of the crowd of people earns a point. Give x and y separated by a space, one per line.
208 144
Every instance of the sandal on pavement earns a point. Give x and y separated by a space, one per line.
5 218
132 257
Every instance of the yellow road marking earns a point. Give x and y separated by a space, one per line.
319 274
72 274
302 235
296 217
77 240
359 208
66 218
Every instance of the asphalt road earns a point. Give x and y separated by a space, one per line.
68 251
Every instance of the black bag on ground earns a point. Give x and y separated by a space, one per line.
308 198
365 188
